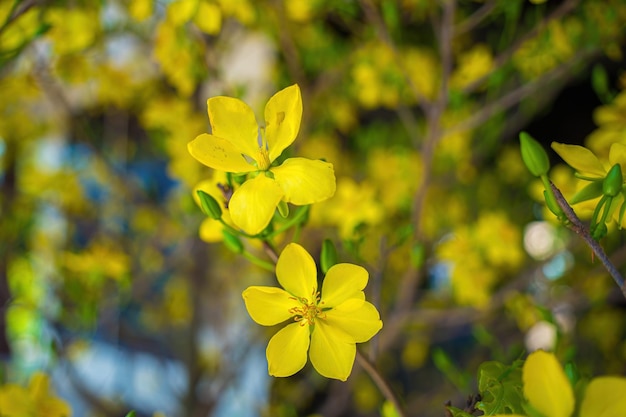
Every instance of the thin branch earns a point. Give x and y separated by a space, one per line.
475 19
380 382
505 56
517 95
371 12
581 230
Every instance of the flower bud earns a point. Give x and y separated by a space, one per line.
328 256
283 209
612 184
210 206
534 156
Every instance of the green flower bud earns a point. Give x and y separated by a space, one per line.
534 156
283 209
210 206
599 231
612 184
328 256
232 241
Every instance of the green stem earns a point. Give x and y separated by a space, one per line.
293 221
258 262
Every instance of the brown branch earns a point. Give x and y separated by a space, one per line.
517 95
505 56
581 230
475 19
380 382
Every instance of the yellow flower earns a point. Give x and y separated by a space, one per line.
590 168
586 163
328 326
549 392
238 145
35 401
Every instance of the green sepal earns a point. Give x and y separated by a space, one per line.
131 414
283 209
612 184
572 373
589 192
328 257
552 205
599 231
534 156
209 205
232 241
622 210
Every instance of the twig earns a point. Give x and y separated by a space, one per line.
581 230
505 56
380 382
517 95
475 19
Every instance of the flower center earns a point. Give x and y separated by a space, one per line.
308 311
263 160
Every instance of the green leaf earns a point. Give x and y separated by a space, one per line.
501 388
328 257
131 414
457 412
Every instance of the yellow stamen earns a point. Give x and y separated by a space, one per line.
263 160
307 313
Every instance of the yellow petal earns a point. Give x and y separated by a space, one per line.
268 305
342 282
581 159
617 155
305 181
253 204
360 324
296 271
283 113
604 397
331 354
218 153
234 120
14 401
546 386
286 351
211 230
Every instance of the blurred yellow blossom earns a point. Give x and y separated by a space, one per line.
72 30
353 204
476 262
611 121
37 400
141 9
396 186
472 65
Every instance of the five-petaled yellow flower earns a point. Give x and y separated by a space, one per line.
327 326
549 392
238 145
